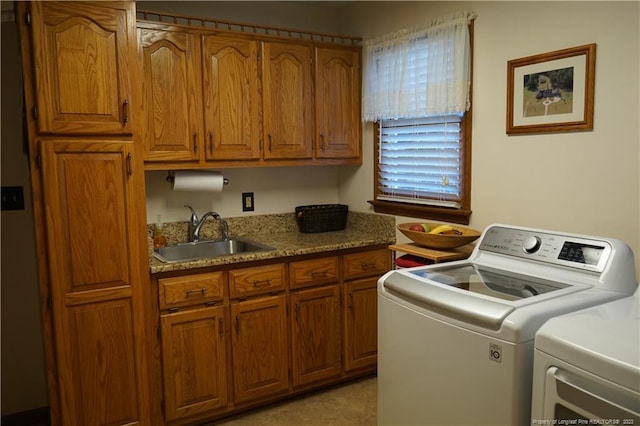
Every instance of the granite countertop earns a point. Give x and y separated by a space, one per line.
280 232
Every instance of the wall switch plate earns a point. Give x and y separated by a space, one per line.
12 198
247 202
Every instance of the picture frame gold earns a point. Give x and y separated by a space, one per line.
551 92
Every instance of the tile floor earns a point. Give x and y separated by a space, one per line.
351 404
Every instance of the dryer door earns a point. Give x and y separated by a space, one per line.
587 399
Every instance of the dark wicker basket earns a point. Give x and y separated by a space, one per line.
322 217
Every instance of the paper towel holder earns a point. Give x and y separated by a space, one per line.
171 177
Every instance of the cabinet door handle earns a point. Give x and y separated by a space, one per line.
316 274
262 283
297 310
237 325
129 165
195 143
125 111
269 138
211 143
350 306
221 326
322 141
202 291
368 265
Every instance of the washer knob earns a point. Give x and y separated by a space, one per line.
531 244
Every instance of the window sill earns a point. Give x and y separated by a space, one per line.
443 214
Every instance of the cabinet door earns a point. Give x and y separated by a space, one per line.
194 361
361 322
337 103
82 53
171 110
315 334
231 98
94 274
287 102
260 348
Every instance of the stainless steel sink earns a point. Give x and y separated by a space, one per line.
207 249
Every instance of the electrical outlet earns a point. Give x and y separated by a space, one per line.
247 202
12 198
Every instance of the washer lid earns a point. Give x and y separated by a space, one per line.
604 340
499 285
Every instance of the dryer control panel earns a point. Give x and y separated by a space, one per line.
560 249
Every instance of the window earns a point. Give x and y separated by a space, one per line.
417 91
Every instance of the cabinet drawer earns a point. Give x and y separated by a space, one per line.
311 272
257 280
191 289
367 263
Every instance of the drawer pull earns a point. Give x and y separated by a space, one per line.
262 283
316 274
369 265
202 291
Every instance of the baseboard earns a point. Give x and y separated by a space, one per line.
35 417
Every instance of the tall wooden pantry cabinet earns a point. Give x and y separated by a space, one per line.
86 175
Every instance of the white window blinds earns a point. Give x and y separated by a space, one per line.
419 160
419 72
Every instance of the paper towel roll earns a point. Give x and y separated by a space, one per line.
197 181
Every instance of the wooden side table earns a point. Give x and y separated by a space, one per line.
435 256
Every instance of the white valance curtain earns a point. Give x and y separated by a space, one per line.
419 72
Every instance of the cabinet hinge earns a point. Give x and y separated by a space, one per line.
27 17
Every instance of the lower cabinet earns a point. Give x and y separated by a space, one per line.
233 338
316 334
260 347
361 324
194 361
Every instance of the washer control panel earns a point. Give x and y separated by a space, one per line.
560 249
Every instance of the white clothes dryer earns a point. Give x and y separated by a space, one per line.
587 367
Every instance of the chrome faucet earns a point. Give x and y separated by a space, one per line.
195 224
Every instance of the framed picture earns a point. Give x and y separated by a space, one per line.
551 92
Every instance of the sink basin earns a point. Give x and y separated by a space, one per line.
206 249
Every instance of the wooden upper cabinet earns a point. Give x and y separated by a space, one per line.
171 109
287 100
231 98
82 61
337 96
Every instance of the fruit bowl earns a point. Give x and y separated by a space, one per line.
439 241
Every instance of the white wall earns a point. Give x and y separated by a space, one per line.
584 182
277 190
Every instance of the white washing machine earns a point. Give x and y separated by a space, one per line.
587 367
456 340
